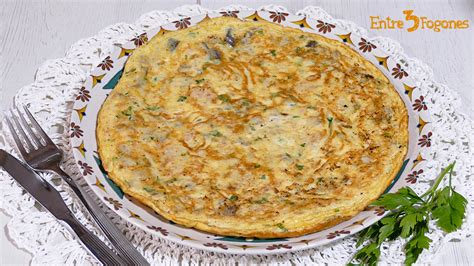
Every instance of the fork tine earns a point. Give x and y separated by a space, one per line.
38 128
21 131
15 136
23 122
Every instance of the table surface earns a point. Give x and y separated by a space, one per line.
32 31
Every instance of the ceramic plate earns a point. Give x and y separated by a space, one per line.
105 76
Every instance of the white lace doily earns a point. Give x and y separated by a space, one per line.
50 98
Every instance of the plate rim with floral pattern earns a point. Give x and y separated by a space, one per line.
106 75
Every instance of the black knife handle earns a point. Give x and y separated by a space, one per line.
50 198
98 248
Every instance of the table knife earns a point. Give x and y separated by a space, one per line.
50 199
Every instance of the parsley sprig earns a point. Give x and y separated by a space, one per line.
409 217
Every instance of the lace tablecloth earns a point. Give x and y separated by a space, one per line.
50 98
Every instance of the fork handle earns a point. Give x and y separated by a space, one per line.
116 237
98 248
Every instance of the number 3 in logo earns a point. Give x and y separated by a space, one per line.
415 19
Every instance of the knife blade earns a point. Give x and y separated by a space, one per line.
49 198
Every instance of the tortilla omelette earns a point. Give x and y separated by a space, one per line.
245 128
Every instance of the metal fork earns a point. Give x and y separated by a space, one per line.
43 155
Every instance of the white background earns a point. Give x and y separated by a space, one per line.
33 31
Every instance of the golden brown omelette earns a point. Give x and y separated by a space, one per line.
246 128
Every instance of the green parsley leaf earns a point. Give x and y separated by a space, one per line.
274 94
150 190
386 230
233 198
245 102
273 52
182 98
282 227
152 108
224 98
368 233
392 201
215 133
449 210
417 243
410 195
128 113
409 217
199 81
299 166
368 255
262 200
330 120
408 223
